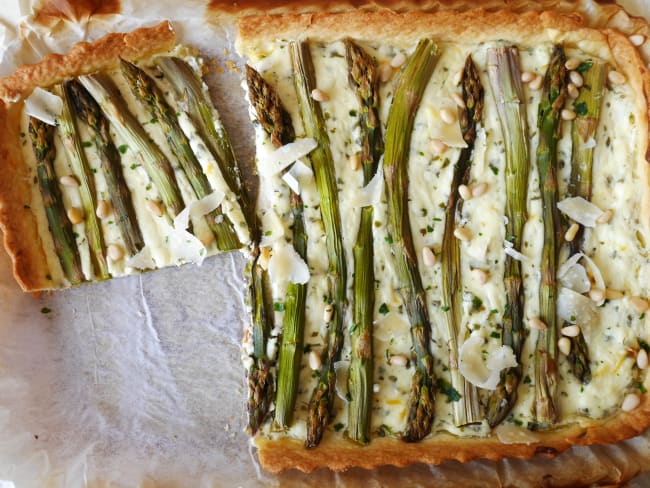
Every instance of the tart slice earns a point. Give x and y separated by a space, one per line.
114 162
501 161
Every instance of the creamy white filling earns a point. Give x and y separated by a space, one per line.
621 244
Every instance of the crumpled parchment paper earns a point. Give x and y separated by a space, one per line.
138 381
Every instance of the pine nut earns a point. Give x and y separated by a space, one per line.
564 345
75 215
638 304
630 402
567 114
398 60
576 78
265 255
537 323
637 39
596 294
314 361
616 78
428 257
458 100
481 275
69 180
398 360
438 146
464 192
385 72
479 189
605 217
355 162
536 84
642 359
573 90
613 294
115 252
570 330
206 238
154 208
448 116
328 313
103 209
527 76
463 234
572 63
571 232
319 95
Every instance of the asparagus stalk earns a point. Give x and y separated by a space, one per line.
147 92
322 399
89 112
364 80
505 80
88 196
42 137
399 127
584 128
467 409
548 128
200 110
277 123
104 91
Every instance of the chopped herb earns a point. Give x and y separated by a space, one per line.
495 335
388 239
45 310
494 311
87 144
123 148
581 109
278 306
26 207
476 302
584 66
527 380
642 388
268 233
338 427
429 228
445 308
494 169
383 309
449 391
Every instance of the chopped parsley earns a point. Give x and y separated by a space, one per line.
449 391
383 309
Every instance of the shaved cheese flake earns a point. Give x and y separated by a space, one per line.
198 208
573 275
371 193
183 246
574 307
582 211
292 182
449 134
595 273
512 434
591 143
513 253
484 374
44 106
342 368
301 172
272 227
141 260
286 265
283 156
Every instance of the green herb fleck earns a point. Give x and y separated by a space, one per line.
338 427
494 169
449 391
383 309
581 109
584 66
45 310
123 148
278 306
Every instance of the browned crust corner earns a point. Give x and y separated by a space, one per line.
86 57
338 454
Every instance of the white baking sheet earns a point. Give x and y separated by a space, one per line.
138 381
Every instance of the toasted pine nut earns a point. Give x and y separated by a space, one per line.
428 257
527 76
642 359
154 208
638 304
564 345
537 323
328 313
69 180
567 114
613 294
448 116
458 77
314 361
385 72
398 60
398 360
596 294
355 161
637 39
115 252
319 95
576 78
463 234
605 217
616 78
536 84
265 255
573 90
630 402
572 63
75 215
464 192
571 232
103 209
438 146
479 189
570 330
481 275
458 100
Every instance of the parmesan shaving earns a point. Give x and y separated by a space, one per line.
370 194
44 106
273 228
572 306
484 373
282 157
582 211
141 260
286 265
450 134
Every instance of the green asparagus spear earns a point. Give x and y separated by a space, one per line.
505 80
77 158
406 101
147 92
200 110
42 137
548 128
364 80
322 400
104 91
88 110
467 409
584 127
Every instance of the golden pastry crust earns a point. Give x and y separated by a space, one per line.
17 221
257 34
